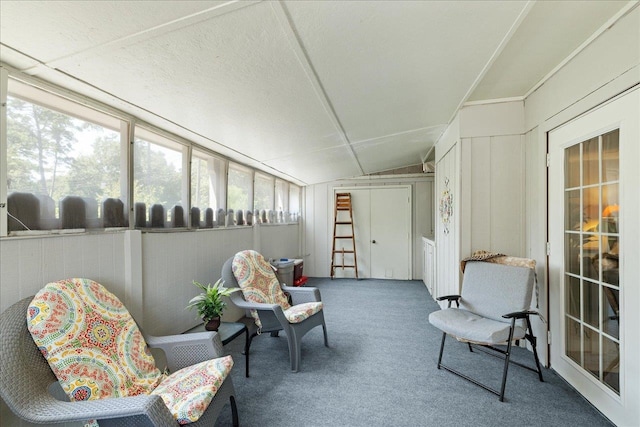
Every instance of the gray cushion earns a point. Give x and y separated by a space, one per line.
488 292
491 290
469 326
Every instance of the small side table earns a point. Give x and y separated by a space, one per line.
228 331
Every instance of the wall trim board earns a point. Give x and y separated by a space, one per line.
578 86
133 295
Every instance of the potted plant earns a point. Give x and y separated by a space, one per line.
210 304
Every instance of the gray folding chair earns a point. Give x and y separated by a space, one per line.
492 310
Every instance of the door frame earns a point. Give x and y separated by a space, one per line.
620 409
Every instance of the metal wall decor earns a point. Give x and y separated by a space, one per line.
446 206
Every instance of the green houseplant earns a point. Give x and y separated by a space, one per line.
210 304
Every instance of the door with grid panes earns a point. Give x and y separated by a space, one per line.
594 187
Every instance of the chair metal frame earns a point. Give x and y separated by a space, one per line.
491 292
506 354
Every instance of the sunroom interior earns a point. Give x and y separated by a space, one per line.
144 143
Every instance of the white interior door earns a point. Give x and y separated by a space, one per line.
391 233
383 215
594 187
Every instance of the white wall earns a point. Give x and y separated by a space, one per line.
447 281
27 264
608 66
493 190
318 219
482 155
280 241
150 272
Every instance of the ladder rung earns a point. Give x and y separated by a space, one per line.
344 222
343 237
345 266
342 252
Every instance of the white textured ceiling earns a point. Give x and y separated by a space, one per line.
311 91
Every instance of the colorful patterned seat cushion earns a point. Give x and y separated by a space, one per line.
300 312
257 280
188 392
91 342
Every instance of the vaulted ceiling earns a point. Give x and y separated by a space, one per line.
310 91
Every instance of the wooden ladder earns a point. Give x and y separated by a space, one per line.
343 207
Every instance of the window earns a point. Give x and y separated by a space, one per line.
239 187
207 186
157 183
67 168
592 281
263 195
282 199
294 201
63 163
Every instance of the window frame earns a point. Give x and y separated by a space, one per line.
272 180
241 168
219 185
168 142
46 98
60 99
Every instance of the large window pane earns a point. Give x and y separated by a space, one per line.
263 192
294 201
239 188
207 187
63 162
67 168
282 195
157 179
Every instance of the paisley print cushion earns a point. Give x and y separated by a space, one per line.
188 392
258 281
91 342
300 312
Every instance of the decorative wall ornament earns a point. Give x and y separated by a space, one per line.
446 206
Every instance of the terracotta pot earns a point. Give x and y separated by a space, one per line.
213 324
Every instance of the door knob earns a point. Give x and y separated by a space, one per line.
373 241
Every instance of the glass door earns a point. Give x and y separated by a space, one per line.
594 279
591 282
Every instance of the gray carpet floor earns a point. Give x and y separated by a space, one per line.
380 370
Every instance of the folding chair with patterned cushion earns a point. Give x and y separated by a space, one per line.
265 298
492 310
90 361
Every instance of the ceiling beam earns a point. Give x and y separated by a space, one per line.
503 43
303 58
